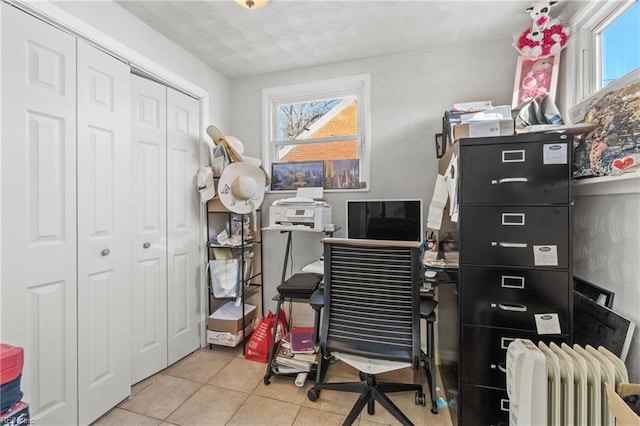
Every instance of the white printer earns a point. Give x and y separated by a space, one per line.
299 213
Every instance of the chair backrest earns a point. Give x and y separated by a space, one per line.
372 299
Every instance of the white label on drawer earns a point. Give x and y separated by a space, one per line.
554 153
545 255
547 323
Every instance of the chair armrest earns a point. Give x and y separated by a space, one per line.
317 300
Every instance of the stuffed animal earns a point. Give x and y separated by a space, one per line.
546 36
537 81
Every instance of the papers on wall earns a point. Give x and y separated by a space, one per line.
446 188
438 201
451 178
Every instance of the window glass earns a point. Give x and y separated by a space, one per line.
621 45
324 123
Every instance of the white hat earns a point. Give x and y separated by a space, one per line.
241 187
205 184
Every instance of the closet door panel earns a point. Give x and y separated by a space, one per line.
149 221
104 233
183 218
38 178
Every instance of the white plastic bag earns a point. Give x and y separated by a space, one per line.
224 277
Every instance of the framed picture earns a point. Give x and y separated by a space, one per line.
288 176
535 77
342 174
440 146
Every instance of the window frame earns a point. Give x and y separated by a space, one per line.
585 50
357 85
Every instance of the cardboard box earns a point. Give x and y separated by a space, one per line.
228 318
480 129
214 205
228 339
623 413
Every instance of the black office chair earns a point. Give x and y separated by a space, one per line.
371 318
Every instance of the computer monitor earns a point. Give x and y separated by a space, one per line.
384 220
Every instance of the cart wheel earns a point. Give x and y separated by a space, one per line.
421 399
267 379
313 394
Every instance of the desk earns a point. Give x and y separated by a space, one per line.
305 293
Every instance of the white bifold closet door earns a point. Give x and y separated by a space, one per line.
165 287
39 285
104 230
65 219
183 222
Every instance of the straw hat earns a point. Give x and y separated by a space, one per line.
234 147
241 187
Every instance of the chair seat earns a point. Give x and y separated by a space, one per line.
369 365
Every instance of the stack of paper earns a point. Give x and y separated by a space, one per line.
301 359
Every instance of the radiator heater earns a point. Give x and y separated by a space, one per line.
561 385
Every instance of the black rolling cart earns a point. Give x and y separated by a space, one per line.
299 288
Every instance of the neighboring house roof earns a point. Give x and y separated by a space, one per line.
324 127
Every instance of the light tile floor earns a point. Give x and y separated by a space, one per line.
219 387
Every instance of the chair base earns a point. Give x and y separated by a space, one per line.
428 360
371 390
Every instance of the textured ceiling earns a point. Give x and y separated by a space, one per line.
290 34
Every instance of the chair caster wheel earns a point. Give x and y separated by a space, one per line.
362 376
313 394
421 399
434 410
266 380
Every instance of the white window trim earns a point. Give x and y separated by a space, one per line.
583 53
339 87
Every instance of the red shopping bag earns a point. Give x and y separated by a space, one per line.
257 348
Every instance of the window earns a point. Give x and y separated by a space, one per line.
620 43
605 46
324 124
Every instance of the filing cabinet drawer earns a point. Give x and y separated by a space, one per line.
480 406
484 353
516 173
511 297
515 236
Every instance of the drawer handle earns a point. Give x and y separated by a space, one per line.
499 367
146 245
105 252
509 180
513 307
506 244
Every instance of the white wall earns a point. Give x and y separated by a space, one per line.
112 20
409 94
607 246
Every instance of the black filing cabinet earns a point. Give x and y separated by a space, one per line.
515 260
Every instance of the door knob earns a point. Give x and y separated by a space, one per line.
146 245
105 252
